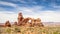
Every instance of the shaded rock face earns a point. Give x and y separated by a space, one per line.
7 24
25 21
20 18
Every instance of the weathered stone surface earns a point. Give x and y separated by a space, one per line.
37 22
25 21
15 23
20 18
7 24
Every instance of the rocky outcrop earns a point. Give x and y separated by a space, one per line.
28 21
20 18
7 24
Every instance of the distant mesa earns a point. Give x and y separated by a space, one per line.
30 22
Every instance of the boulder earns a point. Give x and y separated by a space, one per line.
7 24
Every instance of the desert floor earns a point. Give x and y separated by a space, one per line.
29 30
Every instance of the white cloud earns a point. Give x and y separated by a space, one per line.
25 2
22 1
18 8
4 16
25 9
30 9
50 16
54 5
8 4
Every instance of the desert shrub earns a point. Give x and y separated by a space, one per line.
17 30
8 30
56 32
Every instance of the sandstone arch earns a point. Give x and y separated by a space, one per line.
25 21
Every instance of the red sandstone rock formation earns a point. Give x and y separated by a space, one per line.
36 22
20 18
15 23
25 22
7 24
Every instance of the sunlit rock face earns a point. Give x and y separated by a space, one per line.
26 22
36 22
7 24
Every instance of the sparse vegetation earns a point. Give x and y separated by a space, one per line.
29 30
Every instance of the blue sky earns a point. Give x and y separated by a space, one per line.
46 10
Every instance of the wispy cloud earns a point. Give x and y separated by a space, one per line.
3 3
8 4
31 9
25 2
55 5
